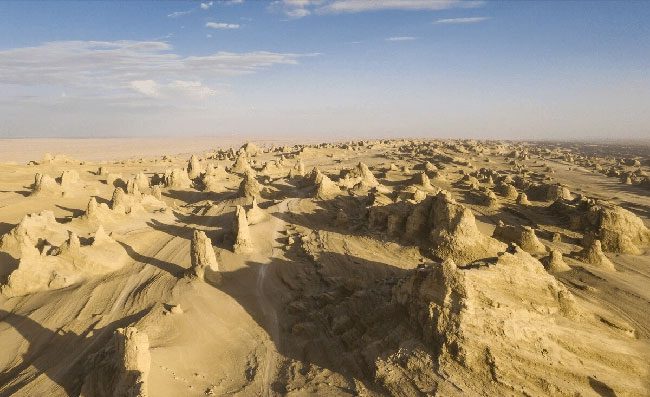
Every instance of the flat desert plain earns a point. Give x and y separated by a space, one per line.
371 268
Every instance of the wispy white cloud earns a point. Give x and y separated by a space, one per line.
354 6
297 12
122 68
207 5
401 38
179 14
452 21
176 89
221 25
294 8
302 8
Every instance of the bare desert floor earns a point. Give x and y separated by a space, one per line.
193 267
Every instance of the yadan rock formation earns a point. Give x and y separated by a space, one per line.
404 267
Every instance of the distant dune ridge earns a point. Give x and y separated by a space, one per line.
380 267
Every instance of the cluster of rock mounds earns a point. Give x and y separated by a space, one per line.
63 185
45 264
449 228
627 170
618 229
49 159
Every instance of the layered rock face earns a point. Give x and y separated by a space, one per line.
485 324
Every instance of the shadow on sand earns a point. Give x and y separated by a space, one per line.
57 354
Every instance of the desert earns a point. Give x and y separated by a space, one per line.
377 267
306 198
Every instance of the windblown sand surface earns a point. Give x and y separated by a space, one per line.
373 268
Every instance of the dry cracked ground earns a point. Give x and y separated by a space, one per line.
372 268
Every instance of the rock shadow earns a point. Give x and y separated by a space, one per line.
329 312
190 197
50 352
171 268
24 193
601 388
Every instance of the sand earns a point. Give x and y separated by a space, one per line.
193 267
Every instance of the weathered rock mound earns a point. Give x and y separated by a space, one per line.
486 323
618 229
454 234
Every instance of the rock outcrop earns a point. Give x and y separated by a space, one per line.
243 242
524 237
118 201
558 191
618 229
121 368
454 234
359 177
325 188
177 178
142 182
522 199
249 187
473 318
555 262
45 184
33 229
255 214
593 254
202 256
241 165
194 167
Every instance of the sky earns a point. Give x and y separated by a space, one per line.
329 69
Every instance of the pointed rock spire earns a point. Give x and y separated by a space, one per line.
202 255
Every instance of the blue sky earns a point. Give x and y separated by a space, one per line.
326 68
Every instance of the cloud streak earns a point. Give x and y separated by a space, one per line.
174 89
354 6
303 8
179 14
456 21
401 38
222 25
146 68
